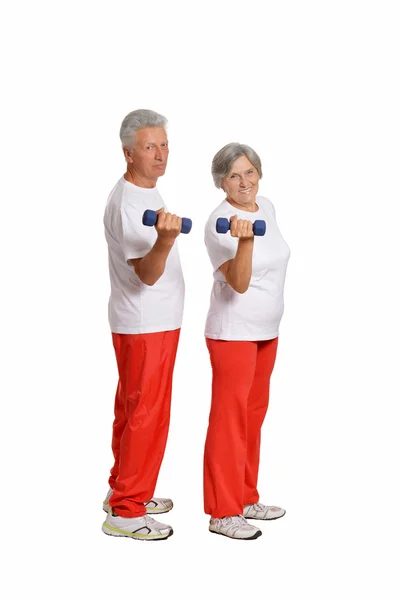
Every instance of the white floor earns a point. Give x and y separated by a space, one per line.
312 86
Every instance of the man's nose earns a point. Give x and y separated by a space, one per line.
158 153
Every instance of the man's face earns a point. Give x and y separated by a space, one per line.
149 156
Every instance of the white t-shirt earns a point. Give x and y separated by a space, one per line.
135 307
256 314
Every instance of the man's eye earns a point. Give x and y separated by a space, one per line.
149 147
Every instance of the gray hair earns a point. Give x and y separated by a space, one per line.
139 119
224 159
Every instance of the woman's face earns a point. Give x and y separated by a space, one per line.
241 184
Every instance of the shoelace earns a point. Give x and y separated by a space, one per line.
259 506
236 520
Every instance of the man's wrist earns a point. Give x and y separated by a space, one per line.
246 241
164 243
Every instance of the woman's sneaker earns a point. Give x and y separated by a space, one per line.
155 506
262 512
234 527
138 528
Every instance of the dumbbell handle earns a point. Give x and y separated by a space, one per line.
150 218
258 227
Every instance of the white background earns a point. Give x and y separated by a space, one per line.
313 87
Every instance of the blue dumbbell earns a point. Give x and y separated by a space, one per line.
258 227
150 219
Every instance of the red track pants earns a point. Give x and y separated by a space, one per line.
142 411
240 397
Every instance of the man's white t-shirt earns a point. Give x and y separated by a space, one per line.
135 307
256 314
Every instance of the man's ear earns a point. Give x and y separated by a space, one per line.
128 155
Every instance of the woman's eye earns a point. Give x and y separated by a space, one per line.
233 176
249 172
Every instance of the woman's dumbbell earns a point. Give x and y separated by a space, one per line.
223 226
150 219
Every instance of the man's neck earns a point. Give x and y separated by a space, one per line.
142 182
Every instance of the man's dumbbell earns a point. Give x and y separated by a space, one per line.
150 219
223 225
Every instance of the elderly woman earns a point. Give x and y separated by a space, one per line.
241 334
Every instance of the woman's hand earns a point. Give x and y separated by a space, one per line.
238 270
240 228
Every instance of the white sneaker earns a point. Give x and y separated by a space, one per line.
138 528
155 506
234 527
262 512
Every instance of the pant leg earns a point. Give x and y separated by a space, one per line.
258 401
145 365
233 365
118 427
123 356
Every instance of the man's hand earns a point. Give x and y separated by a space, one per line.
240 228
168 225
152 266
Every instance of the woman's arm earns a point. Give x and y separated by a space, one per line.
238 271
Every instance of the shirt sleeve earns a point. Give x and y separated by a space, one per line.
135 239
221 247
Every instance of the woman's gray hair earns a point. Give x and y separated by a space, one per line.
224 159
139 119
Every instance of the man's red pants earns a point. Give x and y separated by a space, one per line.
240 397
142 411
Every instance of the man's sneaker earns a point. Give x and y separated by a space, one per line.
262 512
234 527
155 506
138 528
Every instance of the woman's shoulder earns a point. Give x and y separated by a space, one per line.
265 204
262 200
222 210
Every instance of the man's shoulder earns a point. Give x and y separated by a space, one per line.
116 194
134 198
125 198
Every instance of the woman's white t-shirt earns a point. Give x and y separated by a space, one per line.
135 307
256 314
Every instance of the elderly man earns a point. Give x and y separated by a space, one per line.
145 315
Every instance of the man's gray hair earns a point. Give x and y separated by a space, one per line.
139 119
224 159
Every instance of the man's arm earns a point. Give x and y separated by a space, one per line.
151 267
